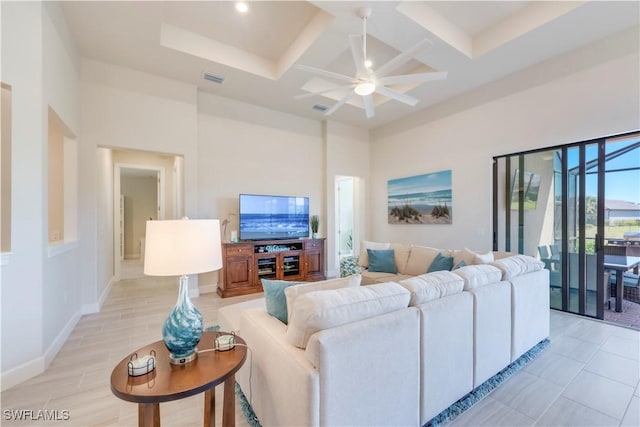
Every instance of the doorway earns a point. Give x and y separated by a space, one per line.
556 205
138 197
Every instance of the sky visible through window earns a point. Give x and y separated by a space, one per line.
622 177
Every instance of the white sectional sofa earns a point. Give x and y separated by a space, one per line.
364 361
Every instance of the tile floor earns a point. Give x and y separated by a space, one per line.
588 376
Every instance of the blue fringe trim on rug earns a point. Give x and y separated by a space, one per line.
452 411
247 410
486 387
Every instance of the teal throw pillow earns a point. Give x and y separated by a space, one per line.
459 265
441 262
275 298
382 261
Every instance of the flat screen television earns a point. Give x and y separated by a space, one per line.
265 217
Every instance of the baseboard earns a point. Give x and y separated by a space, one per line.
59 341
21 373
97 306
207 289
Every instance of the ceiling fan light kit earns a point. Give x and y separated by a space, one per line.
366 88
368 81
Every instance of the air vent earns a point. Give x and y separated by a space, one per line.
213 78
320 107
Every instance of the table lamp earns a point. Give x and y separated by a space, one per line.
179 248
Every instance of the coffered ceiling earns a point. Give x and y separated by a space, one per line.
476 42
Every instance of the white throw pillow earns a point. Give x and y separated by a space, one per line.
363 259
320 310
517 265
470 257
293 292
431 286
478 275
483 258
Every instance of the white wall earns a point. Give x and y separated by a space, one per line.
40 289
347 154
243 148
127 109
601 97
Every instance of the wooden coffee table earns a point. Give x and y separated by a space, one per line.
172 382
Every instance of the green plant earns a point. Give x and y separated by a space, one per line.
315 222
440 211
405 212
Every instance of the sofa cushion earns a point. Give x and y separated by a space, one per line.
275 298
369 278
401 253
441 262
382 261
293 292
432 286
478 275
363 259
517 265
420 258
320 310
470 257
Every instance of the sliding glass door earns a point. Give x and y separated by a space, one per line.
563 205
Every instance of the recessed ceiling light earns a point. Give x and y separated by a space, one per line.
242 7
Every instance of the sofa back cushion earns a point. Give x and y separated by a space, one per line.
420 258
478 275
320 310
401 253
432 286
517 265
363 259
293 292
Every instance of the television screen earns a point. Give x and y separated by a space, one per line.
273 217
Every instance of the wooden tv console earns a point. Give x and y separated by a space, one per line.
244 264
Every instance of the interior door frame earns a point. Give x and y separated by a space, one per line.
117 170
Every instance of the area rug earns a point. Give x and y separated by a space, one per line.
452 411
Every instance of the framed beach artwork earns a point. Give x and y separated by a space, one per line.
420 199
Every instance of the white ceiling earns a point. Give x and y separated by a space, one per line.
476 42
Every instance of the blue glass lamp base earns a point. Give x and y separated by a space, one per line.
182 330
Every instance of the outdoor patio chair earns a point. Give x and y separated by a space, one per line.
631 283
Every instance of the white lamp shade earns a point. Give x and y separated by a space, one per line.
181 247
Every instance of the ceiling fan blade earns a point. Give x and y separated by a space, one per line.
402 58
368 106
339 104
358 56
412 78
320 92
325 73
394 94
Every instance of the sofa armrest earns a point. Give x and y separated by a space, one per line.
349 265
281 383
369 370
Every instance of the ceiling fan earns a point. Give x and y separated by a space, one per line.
368 81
